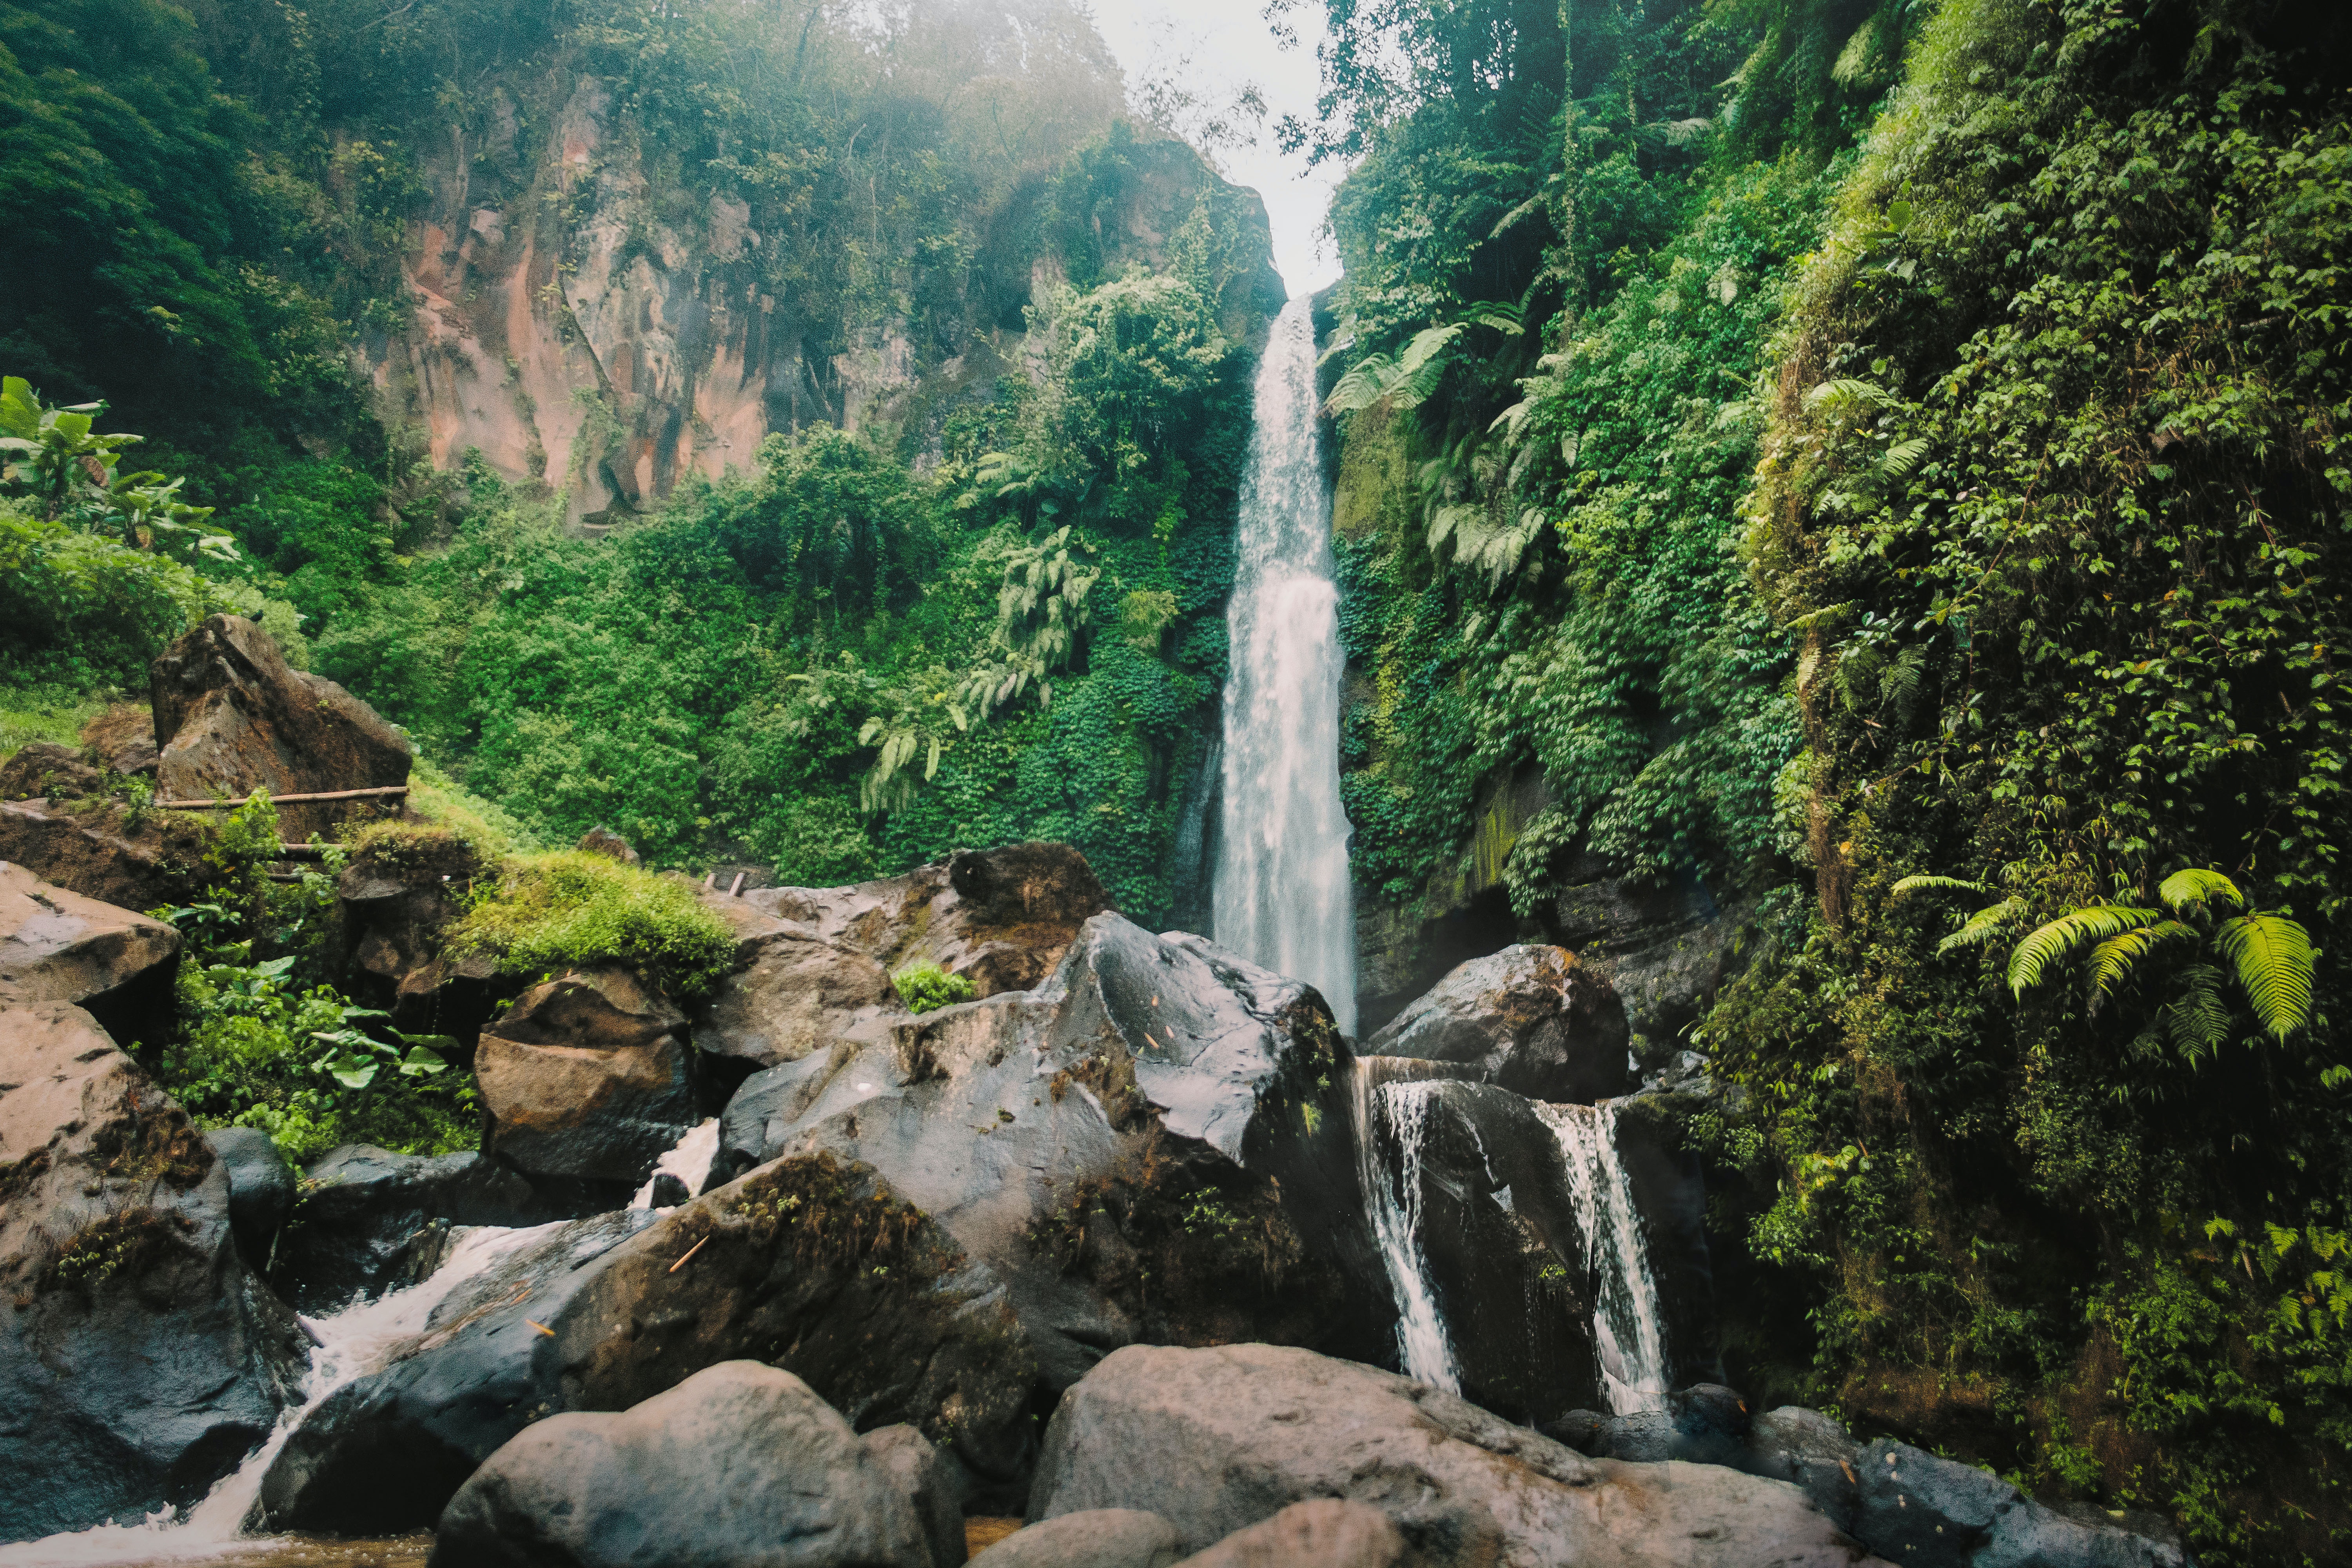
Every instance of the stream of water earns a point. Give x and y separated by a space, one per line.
353 1343
1282 898
1626 1335
1383 1099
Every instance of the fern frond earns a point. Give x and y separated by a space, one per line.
1366 383
2051 944
1867 393
2111 963
1982 926
2183 889
1937 884
1902 458
2274 957
2198 1022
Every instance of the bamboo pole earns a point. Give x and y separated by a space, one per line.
278 799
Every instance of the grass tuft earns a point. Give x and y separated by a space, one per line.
565 907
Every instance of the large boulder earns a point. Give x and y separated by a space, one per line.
1099 1538
369 1220
123 738
261 1189
139 1359
404 885
814 963
587 1079
60 946
1151 1145
1478 1214
42 768
813 1266
233 717
740 1466
1326 1532
1531 1018
104 850
1218 1439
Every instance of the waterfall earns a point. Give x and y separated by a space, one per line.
690 1160
1393 1199
1625 1322
1281 897
351 1343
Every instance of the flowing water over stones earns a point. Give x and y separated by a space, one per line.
351 1343
1390 1100
1626 1332
1282 896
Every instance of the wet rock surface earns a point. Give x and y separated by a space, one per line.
370 1220
234 717
1152 1145
1532 1018
816 1266
587 1077
261 1189
1217 1440
741 1465
139 1359
60 946
399 894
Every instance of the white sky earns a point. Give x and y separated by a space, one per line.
1230 44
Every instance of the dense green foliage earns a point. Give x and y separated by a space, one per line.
927 988
1926 517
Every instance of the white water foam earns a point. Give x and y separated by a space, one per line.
1282 895
1422 1348
689 1160
1626 1335
354 1342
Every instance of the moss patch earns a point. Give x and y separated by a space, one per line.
567 909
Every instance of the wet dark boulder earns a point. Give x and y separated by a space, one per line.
816 1266
368 1220
587 1079
1478 1179
261 1188
232 716
1151 1145
1217 1440
60 946
790 993
103 849
740 1466
1531 1018
139 1359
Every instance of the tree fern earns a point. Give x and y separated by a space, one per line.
2274 957
1982 926
2111 963
2183 890
1937 884
2068 934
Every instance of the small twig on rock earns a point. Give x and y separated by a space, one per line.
278 799
690 1252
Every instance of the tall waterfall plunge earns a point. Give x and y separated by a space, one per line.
1281 892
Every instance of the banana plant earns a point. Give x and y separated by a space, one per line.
53 451
146 509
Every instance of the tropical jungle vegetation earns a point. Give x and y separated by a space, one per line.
1878 462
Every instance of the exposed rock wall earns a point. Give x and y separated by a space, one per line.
584 321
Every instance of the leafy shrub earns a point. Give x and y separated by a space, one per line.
927 988
565 908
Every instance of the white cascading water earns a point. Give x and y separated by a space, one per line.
689 1160
1626 1321
1401 1106
353 1343
1282 898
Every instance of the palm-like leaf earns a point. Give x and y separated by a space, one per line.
2198 1022
1983 926
1366 383
2111 963
1937 884
2068 934
2273 956
2183 889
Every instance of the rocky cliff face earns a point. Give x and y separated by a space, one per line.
587 321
